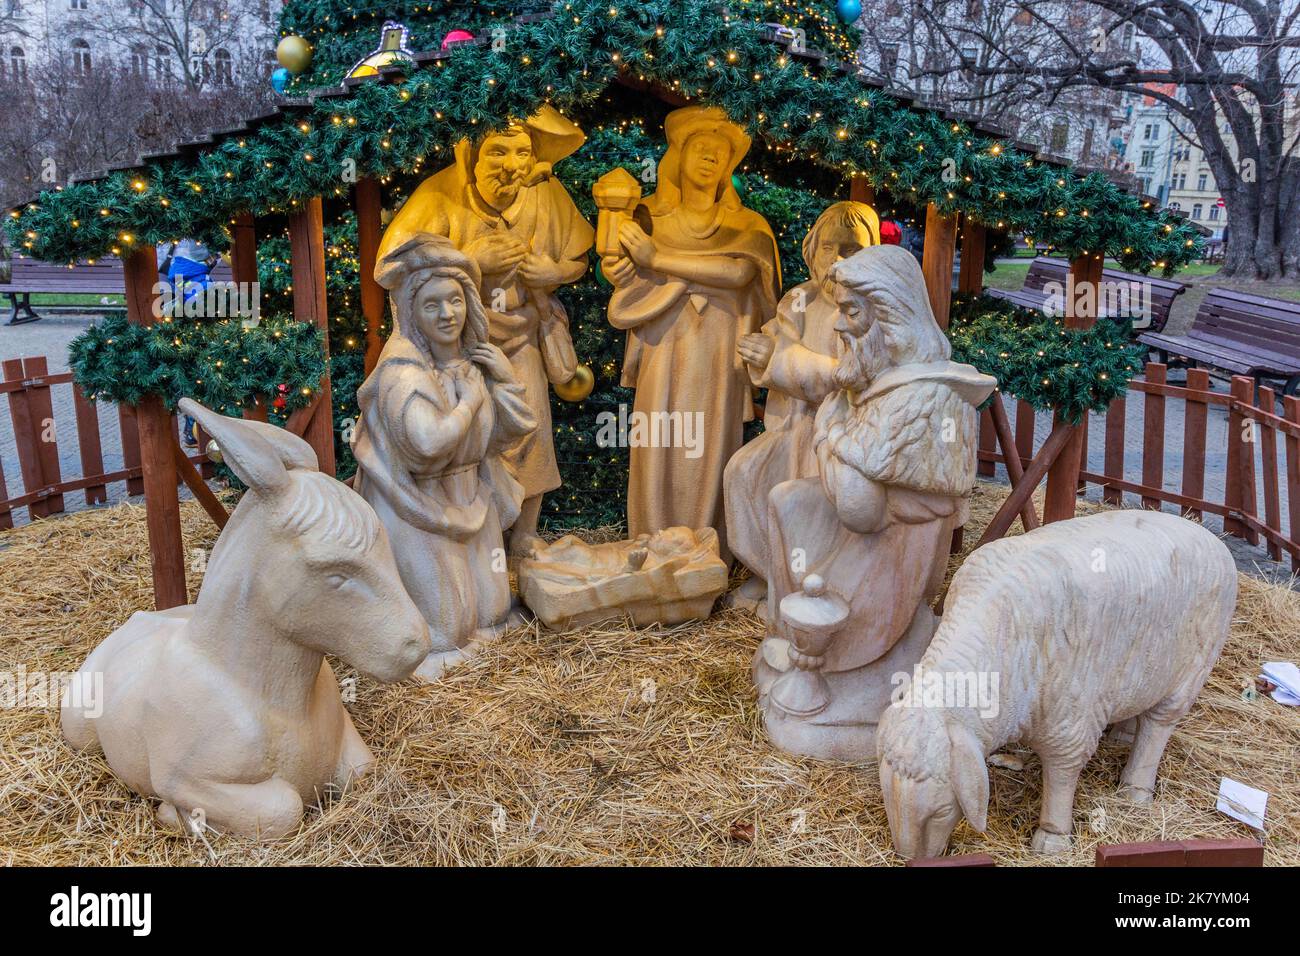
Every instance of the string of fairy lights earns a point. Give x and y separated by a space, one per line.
813 128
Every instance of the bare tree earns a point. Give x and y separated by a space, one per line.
57 123
1225 69
193 35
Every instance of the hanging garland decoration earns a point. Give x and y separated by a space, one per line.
1037 359
685 46
220 363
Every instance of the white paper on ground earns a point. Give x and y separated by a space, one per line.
1242 802
1287 677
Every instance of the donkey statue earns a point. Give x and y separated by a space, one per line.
226 709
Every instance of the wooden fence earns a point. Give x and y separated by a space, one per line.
1255 432
28 386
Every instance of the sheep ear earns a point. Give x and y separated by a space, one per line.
250 454
969 775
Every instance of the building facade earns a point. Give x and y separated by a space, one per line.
940 63
199 44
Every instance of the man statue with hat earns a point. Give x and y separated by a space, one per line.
499 204
697 271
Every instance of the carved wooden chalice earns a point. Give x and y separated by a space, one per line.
810 618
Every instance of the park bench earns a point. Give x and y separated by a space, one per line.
103 278
1032 295
1240 333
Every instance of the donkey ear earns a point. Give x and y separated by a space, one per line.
261 460
969 775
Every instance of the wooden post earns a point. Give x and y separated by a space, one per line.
157 431
88 444
28 429
1239 489
1195 416
861 190
1291 410
367 203
1153 436
970 280
1080 313
307 251
936 261
243 264
243 249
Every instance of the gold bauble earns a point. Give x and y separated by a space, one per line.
213 451
294 54
579 387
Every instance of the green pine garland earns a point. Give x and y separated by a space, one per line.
569 59
403 133
219 363
1037 359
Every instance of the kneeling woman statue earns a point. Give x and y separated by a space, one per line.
436 413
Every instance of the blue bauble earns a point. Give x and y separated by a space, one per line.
849 10
280 79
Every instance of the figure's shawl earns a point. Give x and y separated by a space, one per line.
915 427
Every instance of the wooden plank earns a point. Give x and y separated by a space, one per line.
300 418
985 467
1113 465
1156 853
1015 471
1229 852
1063 478
1242 431
1268 469
130 447
27 437
258 410
198 487
157 435
18 385
1082 485
861 190
36 369
1194 426
1291 408
1162 494
89 445
1026 420
6 509
369 228
936 261
961 859
1153 436
307 251
243 249
970 279
1043 461
243 264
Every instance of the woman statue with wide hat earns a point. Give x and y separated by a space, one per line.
697 271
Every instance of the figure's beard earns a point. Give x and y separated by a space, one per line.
500 189
863 358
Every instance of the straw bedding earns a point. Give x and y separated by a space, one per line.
608 745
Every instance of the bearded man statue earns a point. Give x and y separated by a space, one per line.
499 204
864 544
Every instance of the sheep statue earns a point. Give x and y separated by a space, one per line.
1076 625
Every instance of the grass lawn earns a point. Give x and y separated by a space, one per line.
75 298
1010 275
